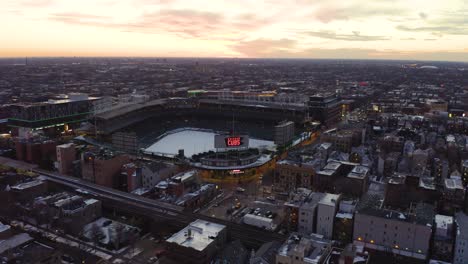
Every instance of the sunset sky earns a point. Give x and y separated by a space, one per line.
374 29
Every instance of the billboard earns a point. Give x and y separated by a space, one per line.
228 141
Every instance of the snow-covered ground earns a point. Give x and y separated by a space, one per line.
194 141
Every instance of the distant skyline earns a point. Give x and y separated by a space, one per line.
352 29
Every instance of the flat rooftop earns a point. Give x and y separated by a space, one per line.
26 185
202 234
314 247
330 199
14 241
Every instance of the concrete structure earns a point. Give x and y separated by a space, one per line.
461 239
304 249
196 243
393 231
66 154
284 133
312 212
308 213
326 211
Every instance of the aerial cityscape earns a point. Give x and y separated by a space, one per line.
169 131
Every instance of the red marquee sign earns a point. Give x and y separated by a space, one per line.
233 141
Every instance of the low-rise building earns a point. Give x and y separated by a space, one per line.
344 221
461 239
284 133
443 241
33 253
29 190
66 154
110 234
307 249
266 254
326 211
291 175
351 254
403 233
103 167
196 243
68 211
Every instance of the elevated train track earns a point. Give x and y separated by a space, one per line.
175 215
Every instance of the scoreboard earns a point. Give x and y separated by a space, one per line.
229 141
